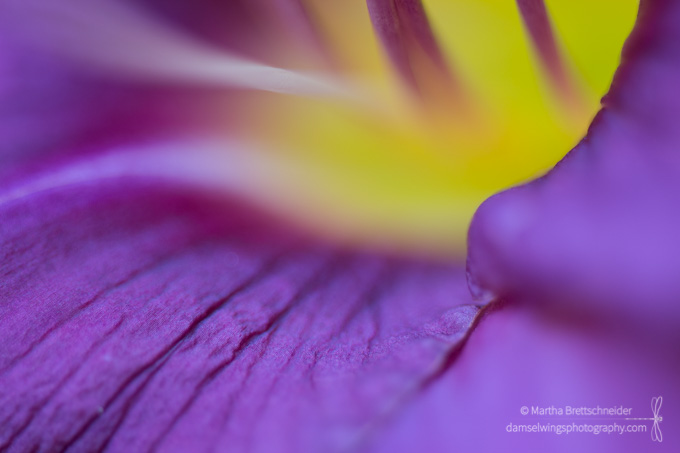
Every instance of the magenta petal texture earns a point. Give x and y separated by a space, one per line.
599 231
134 316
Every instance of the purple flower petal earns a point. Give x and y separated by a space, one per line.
137 315
600 230
517 357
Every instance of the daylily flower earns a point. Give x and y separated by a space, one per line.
241 226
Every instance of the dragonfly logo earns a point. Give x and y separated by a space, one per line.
656 410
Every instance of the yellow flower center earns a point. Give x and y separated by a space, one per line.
409 172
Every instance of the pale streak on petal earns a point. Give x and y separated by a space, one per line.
270 181
239 169
109 36
273 180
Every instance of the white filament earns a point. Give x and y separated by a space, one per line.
116 37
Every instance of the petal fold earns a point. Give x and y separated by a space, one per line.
598 232
517 357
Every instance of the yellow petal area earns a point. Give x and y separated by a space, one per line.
399 172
